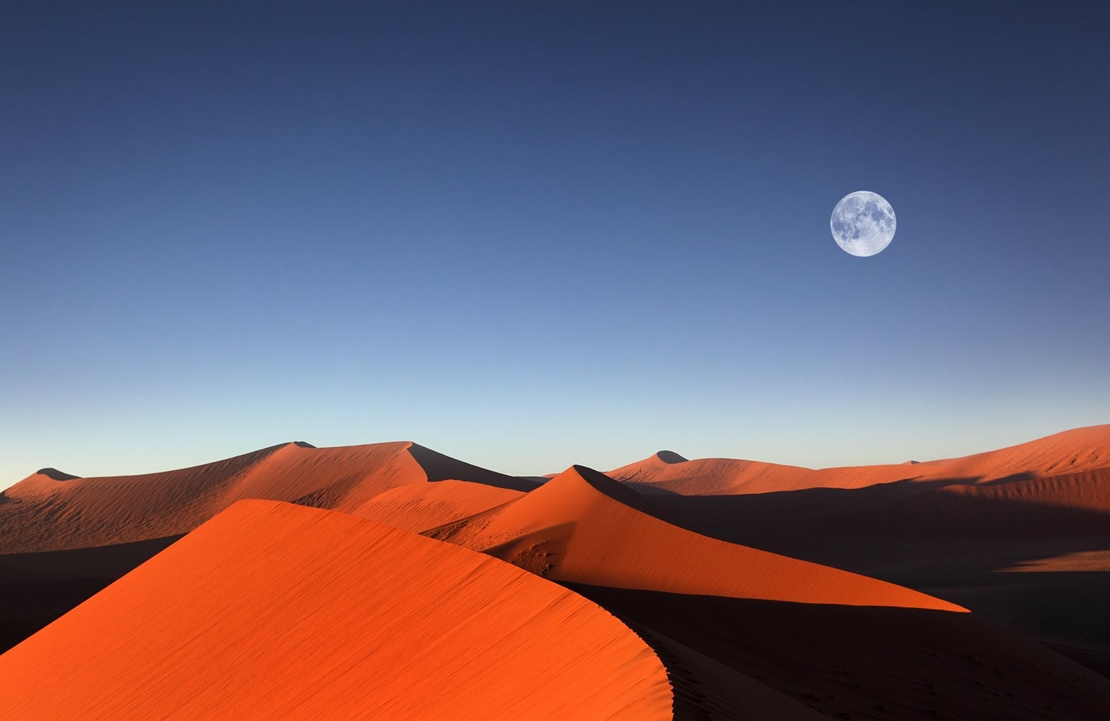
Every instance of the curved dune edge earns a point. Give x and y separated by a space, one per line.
419 506
1078 450
584 527
42 513
272 610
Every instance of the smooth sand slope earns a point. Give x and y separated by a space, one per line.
1070 452
51 511
36 588
420 506
275 611
63 538
584 527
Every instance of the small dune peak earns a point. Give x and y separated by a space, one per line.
576 479
670 457
597 479
302 444
55 474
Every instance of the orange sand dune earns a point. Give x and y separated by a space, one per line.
719 476
1074 451
953 539
51 511
420 506
274 611
584 527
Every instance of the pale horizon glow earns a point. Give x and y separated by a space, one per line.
139 463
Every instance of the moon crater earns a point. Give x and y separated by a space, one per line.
863 223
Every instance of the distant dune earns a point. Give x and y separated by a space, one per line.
1075 451
419 506
50 511
276 611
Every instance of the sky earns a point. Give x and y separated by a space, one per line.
530 234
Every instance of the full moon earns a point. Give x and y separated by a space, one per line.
863 223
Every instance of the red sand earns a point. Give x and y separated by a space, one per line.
1074 451
277 611
286 601
584 527
420 506
41 513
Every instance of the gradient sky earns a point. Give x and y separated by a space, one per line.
528 234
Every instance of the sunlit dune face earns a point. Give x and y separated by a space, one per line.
273 610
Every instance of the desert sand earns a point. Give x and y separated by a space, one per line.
954 531
584 527
703 589
272 610
1070 452
51 511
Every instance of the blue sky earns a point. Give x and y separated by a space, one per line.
533 234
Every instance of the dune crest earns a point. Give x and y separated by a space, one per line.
300 613
584 527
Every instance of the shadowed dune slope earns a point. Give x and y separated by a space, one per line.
870 663
271 610
1071 452
707 690
36 588
48 512
584 527
952 540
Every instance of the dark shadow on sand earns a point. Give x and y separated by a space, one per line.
875 663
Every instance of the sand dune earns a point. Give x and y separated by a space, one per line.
1074 451
36 588
1070 452
420 506
584 527
871 663
50 511
730 476
954 531
277 611
86 532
